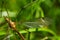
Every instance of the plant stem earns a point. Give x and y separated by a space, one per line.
13 26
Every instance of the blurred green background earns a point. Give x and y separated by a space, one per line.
35 19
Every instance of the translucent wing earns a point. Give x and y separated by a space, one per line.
39 23
31 24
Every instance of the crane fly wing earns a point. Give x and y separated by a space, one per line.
39 23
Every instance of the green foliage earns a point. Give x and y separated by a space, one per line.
21 11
